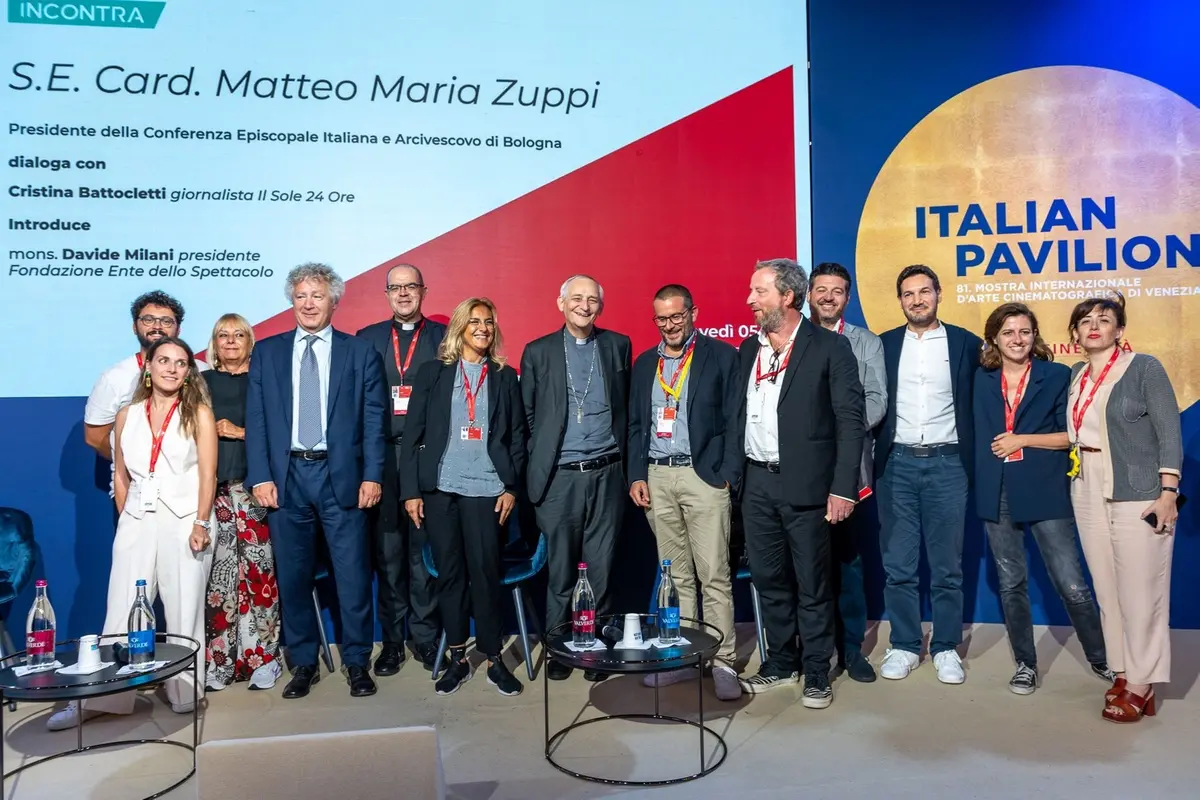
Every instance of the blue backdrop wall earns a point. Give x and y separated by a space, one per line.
878 68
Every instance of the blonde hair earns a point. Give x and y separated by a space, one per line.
237 321
192 394
452 346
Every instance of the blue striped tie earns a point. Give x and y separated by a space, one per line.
309 423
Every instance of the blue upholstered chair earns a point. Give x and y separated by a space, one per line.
518 568
326 651
18 556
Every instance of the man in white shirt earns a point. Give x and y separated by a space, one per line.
155 315
802 427
923 460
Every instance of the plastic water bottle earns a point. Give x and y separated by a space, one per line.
668 606
583 611
141 629
39 630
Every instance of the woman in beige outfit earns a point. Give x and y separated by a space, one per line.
1124 428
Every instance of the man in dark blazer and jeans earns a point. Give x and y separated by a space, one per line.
404 588
923 461
575 387
802 426
684 457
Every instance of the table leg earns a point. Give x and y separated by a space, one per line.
195 705
1 743
700 703
79 728
546 696
656 712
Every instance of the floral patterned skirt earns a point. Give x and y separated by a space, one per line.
242 608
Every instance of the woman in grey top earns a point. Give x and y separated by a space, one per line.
1123 427
463 458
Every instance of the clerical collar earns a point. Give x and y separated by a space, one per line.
577 340
405 326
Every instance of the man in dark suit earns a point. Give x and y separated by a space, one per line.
404 588
684 455
923 461
575 387
315 448
802 424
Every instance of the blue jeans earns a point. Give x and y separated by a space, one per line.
923 498
1056 540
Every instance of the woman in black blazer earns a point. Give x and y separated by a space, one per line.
1021 479
463 458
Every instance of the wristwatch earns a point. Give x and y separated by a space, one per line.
203 523
1174 489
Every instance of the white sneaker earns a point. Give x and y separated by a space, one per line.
725 683
949 667
68 718
668 678
897 664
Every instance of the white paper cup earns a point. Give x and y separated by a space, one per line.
89 652
632 635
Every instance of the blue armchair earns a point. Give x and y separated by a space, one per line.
18 555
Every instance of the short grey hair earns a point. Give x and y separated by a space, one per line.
312 271
789 277
562 292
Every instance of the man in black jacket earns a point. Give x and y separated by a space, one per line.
684 457
575 387
405 588
803 433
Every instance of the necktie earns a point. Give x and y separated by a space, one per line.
309 423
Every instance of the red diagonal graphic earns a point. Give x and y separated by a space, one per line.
696 202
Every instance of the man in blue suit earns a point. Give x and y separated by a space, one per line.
315 419
923 460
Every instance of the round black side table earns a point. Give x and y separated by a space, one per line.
703 641
180 652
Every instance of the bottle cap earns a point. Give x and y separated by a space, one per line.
141 582
666 562
40 584
583 565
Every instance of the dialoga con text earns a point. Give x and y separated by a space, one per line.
115 79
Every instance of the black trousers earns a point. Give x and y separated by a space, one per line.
581 517
404 588
465 535
789 552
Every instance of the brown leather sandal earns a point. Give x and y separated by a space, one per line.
1114 692
1129 707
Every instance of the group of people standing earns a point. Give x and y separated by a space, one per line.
360 450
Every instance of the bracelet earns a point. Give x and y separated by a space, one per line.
1174 489
203 523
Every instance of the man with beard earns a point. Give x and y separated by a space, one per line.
803 432
155 315
575 387
683 458
923 457
404 588
828 293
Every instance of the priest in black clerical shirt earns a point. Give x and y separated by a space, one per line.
405 588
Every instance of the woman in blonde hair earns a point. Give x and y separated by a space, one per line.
242 606
463 460
164 482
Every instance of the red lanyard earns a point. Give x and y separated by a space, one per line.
841 326
1010 409
156 442
669 389
471 396
141 360
1077 412
759 376
412 348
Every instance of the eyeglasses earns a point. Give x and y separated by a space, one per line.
405 288
162 322
674 319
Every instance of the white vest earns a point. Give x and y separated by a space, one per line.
177 471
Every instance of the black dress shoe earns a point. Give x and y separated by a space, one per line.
361 682
593 676
557 671
859 669
426 653
389 661
302 680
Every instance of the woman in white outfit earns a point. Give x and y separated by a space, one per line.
165 480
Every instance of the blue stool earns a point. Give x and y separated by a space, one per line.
326 652
517 571
18 555
743 574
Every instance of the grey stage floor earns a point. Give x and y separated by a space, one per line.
894 740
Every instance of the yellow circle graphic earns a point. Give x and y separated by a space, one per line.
1047 186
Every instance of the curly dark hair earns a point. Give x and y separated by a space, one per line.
157 298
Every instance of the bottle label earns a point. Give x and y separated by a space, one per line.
668 617
40 643
585 622
141 642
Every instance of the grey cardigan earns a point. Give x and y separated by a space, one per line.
1143 430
